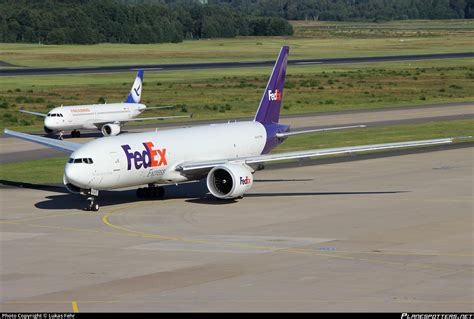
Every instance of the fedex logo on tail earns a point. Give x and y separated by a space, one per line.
274 96
245 181
149 157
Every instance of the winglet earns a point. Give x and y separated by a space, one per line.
270 104
136 91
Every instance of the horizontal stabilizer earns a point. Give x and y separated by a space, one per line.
159 107
60 145
286 134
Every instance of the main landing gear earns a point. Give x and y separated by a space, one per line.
151 192
75 134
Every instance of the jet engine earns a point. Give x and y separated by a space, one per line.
229 180
110 129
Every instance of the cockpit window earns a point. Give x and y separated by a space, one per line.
80 160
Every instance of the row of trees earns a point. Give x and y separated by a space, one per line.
95 21
343 10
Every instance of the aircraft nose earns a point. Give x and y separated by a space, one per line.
73 174
48 123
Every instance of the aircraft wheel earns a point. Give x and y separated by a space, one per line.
93 205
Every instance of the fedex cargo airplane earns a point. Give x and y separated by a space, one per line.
226 155
108 118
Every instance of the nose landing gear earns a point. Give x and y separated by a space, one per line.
92 204
75 133
92 201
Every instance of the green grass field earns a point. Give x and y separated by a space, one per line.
232 93
51 171
311 40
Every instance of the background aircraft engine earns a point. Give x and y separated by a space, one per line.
229 180
110 129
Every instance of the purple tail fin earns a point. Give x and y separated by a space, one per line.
269 109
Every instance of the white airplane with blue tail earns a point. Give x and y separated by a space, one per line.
108 118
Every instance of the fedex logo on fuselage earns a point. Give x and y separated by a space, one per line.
245 181
274 96
149 157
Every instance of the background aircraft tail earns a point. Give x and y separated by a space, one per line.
270 105
136 91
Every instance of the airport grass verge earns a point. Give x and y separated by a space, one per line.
235 93
50 171
312 39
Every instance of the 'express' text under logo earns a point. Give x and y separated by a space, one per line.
149 157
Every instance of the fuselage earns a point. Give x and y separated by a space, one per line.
152 157
89 116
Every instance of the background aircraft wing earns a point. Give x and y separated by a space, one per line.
199 167
100 124
34 113
64 146
159 118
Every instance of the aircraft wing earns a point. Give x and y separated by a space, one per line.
190 167
60 145
159 118
100 124
34 113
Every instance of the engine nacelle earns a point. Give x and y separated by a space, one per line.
229 180
110 129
